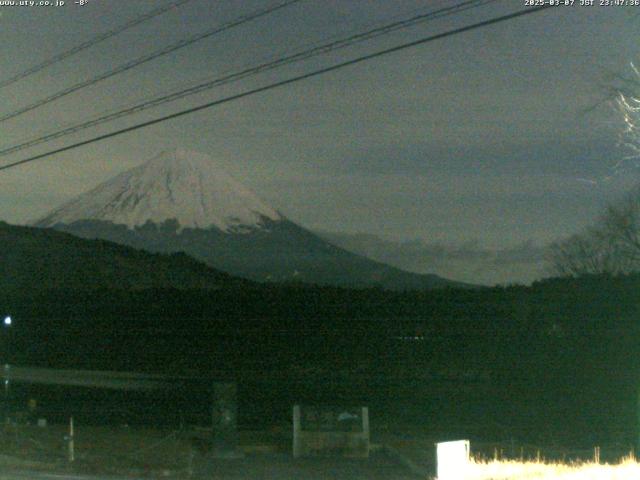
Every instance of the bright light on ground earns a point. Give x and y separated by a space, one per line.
628 469
453 460
7 320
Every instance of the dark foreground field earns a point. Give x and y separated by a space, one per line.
282 466
27 451
152 453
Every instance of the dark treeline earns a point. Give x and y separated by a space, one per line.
559 360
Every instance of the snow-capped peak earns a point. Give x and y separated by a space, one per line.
182 185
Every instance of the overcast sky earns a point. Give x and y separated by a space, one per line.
497 136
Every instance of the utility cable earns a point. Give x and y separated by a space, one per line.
298 78
147 58
91 42
252 71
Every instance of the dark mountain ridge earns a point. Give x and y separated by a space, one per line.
44 259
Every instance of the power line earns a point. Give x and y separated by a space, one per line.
266 66
298 78
91 42
147 58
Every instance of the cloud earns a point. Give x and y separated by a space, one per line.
469 261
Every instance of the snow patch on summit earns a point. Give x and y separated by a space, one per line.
179 185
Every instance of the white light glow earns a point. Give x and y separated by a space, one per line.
7 320
628 469
628 104
455 462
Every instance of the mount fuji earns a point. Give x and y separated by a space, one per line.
183 201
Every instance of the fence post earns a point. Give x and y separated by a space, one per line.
297 445
72 453
225 419
365 427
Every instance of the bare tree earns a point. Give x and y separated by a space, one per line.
611 246
621 227
581 254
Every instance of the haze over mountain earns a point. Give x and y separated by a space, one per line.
471 262
183 201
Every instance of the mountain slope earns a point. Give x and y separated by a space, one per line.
182 201
280 251
37 259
